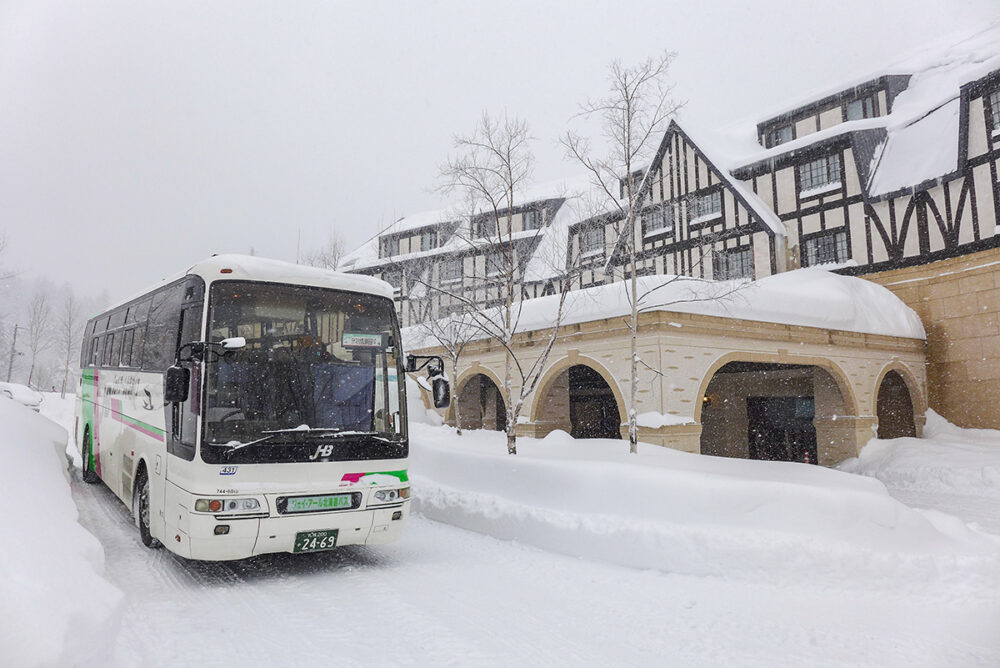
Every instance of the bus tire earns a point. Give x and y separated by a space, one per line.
89 474
140 507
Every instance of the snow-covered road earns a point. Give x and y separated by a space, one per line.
444 596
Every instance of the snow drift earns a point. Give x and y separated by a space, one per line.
55 606
691 514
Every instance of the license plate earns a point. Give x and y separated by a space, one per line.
311 504
314 541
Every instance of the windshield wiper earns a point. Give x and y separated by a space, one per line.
305 429
240 446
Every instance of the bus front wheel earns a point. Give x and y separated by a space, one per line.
140 508
89 475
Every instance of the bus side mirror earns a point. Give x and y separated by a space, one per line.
176 386
441 391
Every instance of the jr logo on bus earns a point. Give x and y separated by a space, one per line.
323 451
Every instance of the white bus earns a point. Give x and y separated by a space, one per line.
250 406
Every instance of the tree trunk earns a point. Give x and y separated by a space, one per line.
454 397
633 427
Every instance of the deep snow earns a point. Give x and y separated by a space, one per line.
444 596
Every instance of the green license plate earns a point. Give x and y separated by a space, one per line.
314 541
309 504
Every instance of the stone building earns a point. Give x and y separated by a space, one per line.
892 178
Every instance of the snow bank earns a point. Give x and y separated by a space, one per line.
690 514
948 459
55 606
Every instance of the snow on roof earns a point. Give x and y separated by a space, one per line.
922 130
718 157
812 297
917 152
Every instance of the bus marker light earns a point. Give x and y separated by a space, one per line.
221 529
215 505
225 271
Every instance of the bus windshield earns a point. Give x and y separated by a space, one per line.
318 364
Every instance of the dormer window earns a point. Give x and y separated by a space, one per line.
705 207
865 107
993 110
657 221
428 240
819 175
779 135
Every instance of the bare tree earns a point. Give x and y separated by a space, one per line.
452 333
68 332
4 275
328 255
489 169
39 336
632 117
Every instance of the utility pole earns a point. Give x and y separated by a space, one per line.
13 352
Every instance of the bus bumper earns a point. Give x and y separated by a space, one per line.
247 537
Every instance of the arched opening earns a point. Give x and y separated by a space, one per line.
894 408
481 405
581 402
770 411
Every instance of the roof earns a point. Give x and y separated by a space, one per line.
812 297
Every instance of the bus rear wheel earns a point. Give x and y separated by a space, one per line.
89 475
140 508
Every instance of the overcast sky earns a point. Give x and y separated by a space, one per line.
137 138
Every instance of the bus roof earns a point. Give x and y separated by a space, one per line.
252 268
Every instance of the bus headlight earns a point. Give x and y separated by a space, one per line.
389 496
227 505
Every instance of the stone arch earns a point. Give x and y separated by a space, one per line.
473 414
541 410
898 404
777 407
916 396
836 374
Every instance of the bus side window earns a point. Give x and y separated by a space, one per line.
160 350
137 345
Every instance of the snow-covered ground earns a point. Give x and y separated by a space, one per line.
447 596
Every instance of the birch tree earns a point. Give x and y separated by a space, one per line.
328 255
452 333
39 336
68 332
490 168
632 116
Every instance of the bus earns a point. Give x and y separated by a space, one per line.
250 406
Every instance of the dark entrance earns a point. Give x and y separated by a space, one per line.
491 403
593 412
781 428
894 408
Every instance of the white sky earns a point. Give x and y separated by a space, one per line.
137 138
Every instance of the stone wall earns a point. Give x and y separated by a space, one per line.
959 301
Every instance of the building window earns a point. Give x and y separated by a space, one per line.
658 220
779 135
732 264
390 246
428 240
532 220
819 173
866 107
993 109
393 277
703 207
483 227
824 249
496 262
451 270
592 240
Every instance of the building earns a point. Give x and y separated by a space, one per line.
893 178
